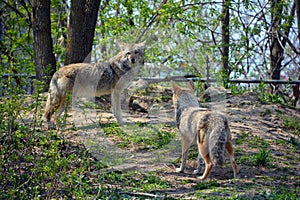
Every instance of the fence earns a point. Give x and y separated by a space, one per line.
28 85
195 78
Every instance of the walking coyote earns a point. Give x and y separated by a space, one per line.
210 129
83 79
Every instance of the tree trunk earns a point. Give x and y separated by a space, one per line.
82 25
225 41
42 42
297 3
296 89
2 28
276 51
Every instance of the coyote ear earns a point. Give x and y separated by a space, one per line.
141 45
190 85
121 45
175 86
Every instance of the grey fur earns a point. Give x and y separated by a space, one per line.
208 128
83 79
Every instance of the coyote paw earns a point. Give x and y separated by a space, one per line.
179 170
201 178
236 176
120 121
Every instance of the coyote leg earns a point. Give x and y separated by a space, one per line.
232 160
208 167
197 171
59 111
185 146
116 105
203 150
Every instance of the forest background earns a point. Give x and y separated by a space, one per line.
238 39
234 39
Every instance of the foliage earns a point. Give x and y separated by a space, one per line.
185 32
236 89
181 35
265 96
33 162
43 164
16 43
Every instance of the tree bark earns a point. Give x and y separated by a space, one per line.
82 25
276 50
296 89
2 28
42 42
225 41
297 4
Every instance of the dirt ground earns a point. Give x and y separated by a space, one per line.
253 124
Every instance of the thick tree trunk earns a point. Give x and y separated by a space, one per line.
296 89
278 42
42 42
82 25
276 51
297 3
2 28
225 40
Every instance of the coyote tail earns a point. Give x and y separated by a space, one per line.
53 98
217 141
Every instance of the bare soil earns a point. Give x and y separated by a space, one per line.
254 125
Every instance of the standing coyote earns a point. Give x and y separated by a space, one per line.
210 129
83 79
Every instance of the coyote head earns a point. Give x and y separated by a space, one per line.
184 97
131 55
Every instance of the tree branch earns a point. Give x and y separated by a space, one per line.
286 38
14 9
151 20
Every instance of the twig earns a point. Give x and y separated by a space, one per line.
143 194
120 168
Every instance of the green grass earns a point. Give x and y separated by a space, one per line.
266 112
242 137
135 181
45 165
145 136
49 165
38 164
254 141
207 185
295 142
292 124
262 158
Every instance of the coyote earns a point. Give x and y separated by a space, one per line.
83 79
210 129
